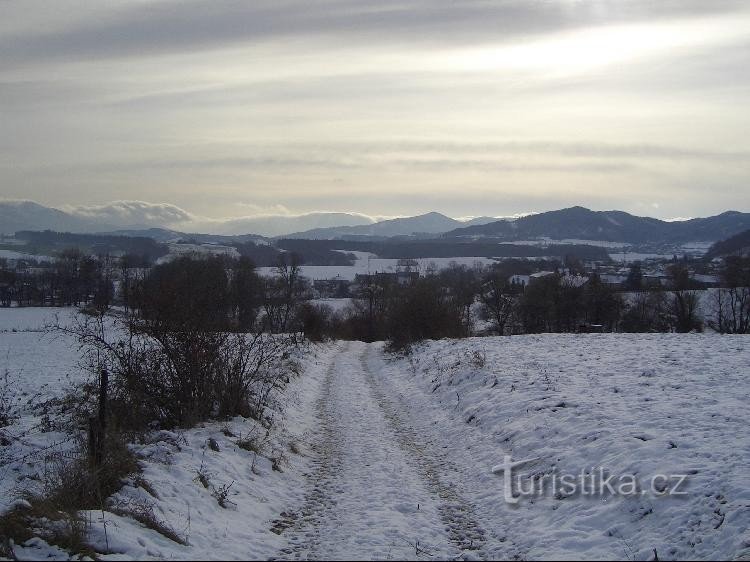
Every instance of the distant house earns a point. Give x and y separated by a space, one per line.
707 280
406 277
613 280
654 279
362 280
332 288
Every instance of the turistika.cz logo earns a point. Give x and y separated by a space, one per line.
595 482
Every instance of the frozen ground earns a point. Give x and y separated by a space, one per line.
387 457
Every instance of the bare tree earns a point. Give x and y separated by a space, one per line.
283 293
730 305
498 302
685 299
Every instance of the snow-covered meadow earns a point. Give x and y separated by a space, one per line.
35 367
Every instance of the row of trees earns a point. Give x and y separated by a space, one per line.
225 293
449 303
74 279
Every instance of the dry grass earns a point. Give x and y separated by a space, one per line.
70 486
144 514
140 482
42 517
252 442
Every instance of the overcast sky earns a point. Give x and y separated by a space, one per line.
385 107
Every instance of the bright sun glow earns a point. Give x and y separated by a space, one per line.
581 51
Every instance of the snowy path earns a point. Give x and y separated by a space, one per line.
376 491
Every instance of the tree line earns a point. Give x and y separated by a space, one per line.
457 301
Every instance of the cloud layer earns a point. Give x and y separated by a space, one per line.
266 222
281 107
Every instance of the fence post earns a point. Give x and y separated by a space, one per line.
98 424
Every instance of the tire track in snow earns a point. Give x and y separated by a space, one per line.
439 450
318 499
460 521
366 498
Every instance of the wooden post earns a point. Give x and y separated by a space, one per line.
98 424
93 440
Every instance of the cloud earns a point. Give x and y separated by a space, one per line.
158 28
133 213
288 104
256 210
270 220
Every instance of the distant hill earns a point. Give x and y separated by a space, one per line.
610 226
278 225
167 235
430 223
50 243
27 215
739 244
575 223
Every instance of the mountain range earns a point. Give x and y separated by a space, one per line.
27 215
136 216
579 223
429 223
575 223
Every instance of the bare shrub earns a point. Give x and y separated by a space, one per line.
222 495
7 399
63 528
253 442
160 376
278 459
477 358
202 475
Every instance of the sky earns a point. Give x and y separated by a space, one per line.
229 108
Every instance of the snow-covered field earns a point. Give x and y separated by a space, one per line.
13 255
336 305
392 457
34 368
367 263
